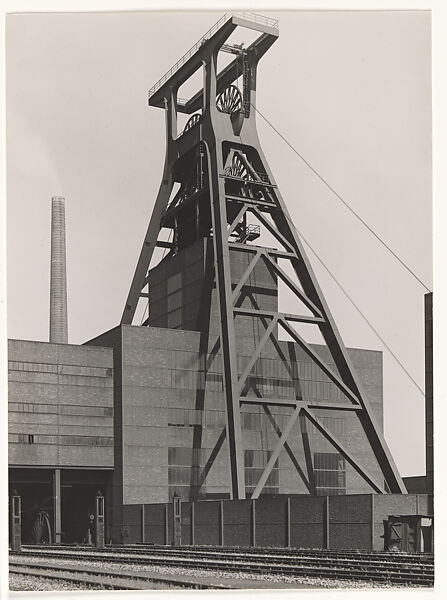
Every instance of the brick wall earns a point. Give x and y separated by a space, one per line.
342 523
60 405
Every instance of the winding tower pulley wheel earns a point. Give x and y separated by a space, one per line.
192 121
237 169
230 100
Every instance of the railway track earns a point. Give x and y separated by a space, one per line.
375 567
143 549
105 578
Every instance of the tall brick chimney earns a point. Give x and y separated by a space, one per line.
58 280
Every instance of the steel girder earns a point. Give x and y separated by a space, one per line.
253 191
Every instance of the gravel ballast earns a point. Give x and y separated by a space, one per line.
271 581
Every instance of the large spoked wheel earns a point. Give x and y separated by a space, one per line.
41 531
237 169
192 121
230 100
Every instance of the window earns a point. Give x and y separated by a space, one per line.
185 472
215 419
26 438
330 473
32 367
86 411
85 440
184 417
336 425
255 463
27 407
214 382
252 421
21 438
183 456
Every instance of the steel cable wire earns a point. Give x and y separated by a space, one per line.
343 201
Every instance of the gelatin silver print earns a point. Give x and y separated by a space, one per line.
220 369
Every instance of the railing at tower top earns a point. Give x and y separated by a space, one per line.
253 17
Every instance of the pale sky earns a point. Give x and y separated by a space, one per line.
351 91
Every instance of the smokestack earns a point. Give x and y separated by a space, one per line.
58 283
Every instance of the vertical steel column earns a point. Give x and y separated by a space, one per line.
223 284
58 277
150 240
57 505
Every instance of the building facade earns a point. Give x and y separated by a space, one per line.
139 412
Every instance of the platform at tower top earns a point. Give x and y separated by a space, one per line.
244 19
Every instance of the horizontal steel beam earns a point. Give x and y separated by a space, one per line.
251 312
334 406
162 244
252 201
257 183
231 72
189 64
273 401
265 251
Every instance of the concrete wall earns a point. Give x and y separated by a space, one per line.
60 405
335 522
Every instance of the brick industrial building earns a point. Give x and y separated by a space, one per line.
205 399
136 413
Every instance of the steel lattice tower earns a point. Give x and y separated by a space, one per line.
223 178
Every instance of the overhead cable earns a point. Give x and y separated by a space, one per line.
343 201
362 315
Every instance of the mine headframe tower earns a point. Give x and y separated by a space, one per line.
223 176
